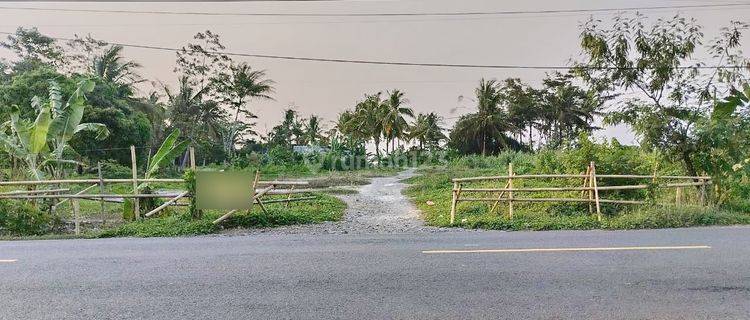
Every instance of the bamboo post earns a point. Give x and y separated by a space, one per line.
596 192
101 185
166 204
254 194
456 187
76 216
585 182
510 193
703 192
192 159
289 197
499 197
136 202
591 190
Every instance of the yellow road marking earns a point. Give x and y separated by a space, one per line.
564 249
8 260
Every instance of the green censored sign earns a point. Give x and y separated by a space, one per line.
223 190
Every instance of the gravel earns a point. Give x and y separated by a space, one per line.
378 208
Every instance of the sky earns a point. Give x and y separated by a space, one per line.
326 89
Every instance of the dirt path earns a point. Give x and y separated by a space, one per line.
379 207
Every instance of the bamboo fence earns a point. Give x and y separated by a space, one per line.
590 189
63 195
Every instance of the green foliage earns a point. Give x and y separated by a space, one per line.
654 217
167 226
127 129
40 144
22 219
656 61
113 170
167 152
193 210
326 208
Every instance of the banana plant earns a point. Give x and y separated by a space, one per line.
168 151
40 144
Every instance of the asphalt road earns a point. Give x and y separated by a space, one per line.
383 276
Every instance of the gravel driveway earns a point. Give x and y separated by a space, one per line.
379 207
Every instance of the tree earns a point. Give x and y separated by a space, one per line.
241 85
427 131
394 112
568 110
112 67
289 131
486 129
199 120
33 48
722 148
41 144
203 62
368 120
313 130
674 92
524 106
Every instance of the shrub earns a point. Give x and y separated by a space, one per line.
22 219
113 170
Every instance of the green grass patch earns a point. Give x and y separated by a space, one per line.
324 208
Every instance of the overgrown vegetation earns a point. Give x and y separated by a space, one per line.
326 208
431 191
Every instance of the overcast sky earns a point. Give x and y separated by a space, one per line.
326 89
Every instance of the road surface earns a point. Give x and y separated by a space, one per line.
701 273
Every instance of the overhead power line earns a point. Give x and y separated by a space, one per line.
386 14
387 63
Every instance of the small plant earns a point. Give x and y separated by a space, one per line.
22 219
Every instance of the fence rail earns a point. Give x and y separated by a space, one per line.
63 195
589 191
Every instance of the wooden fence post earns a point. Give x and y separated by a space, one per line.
76 215
456 187
101 186
588 182
136 201
703 192
678 196
289 197
255 185
596 192
510 191
192 159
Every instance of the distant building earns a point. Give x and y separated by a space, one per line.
305 150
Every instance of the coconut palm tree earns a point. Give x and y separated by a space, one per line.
368 117
394 112
486 129
243 84
569 109
312 130
112 68
427 131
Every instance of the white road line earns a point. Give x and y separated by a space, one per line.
564 249
8 260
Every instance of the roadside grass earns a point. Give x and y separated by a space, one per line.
431 192
325 208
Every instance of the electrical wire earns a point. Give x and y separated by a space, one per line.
398 63
385 14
